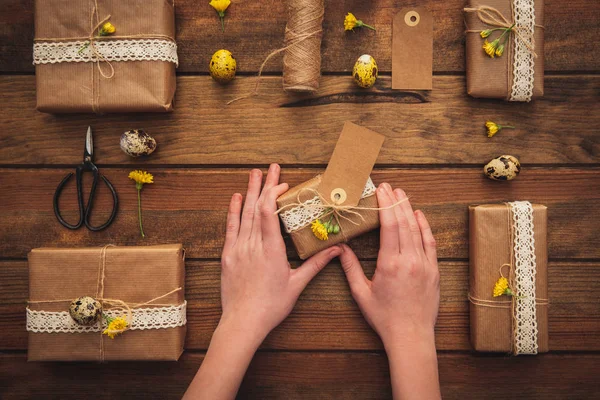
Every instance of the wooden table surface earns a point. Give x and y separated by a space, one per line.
435 150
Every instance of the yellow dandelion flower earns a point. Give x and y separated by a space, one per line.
485 33
490 48
319 230
141 177
107 29
220 6
499 50
350 22
116 326
493 128
501 288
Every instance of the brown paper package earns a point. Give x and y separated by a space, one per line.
137 86
492 78
133 274
489 248
305 241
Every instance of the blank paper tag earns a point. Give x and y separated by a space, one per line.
412 49
350 165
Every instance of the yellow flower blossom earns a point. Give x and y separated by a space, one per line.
485 33
220 6
115 326
493 128
499 50
350 22
140 178
107 29
319 230
490 48
501 288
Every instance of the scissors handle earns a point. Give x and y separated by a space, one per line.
84 212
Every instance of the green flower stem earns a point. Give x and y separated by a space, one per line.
222 17
361 24
139 190
506 126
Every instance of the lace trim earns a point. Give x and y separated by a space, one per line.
525 330
523 63
142 318
111 50
298 217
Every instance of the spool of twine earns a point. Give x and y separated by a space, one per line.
302 55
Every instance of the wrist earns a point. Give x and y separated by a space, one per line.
239 331
409 338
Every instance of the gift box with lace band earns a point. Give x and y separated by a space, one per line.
507 244
129 70
149 280
518 73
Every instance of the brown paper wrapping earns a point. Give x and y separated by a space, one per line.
305 241
133 274
137 86
489 248
492 78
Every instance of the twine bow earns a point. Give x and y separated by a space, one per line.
493 17
91 43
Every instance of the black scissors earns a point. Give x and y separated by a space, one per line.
84 212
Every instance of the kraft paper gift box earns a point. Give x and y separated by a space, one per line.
134 275
517 75
131 70
345 183
498 243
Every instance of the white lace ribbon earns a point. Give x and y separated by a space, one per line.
111 50
523 60
525 329
142 318
298 217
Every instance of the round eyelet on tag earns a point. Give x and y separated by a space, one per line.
338 196
412 18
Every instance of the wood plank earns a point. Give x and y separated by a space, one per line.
441 127
308 376
189 206
326 317
254 29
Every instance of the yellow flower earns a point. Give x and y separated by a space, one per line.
493 128
350 22
141 177
220 6
490 48
485 33
501 288
319 230
500 50
115 326
107 29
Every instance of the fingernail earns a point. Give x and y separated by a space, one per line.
400 193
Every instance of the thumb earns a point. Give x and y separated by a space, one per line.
354 273
311 267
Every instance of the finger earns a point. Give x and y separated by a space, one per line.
413 225
272 177
389 238
271 181
311 267
429 245
248 214
271 229
357 280
233 222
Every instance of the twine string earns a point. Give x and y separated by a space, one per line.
493 17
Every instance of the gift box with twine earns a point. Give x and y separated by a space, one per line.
340 204
517 72
508 285
144 285
82 67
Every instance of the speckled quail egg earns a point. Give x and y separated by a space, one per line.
503 168
85 310
137 142
222 66
365 71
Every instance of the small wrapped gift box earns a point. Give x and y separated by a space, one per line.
81 68
143 285
518 73
340 204
508 285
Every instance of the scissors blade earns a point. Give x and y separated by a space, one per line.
89 144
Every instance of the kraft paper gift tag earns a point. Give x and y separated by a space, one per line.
412 49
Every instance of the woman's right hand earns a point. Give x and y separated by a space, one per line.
401 301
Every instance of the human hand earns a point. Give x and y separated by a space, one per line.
401 301
258 287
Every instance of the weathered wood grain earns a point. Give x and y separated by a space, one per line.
442 127
190 205
254 29
309 375
326 317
